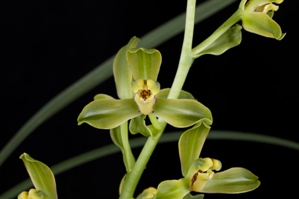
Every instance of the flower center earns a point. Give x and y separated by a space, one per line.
145 94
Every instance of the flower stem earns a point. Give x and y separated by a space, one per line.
185 63
132 178
186 58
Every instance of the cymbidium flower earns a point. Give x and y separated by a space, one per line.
139 69
201 178
257 17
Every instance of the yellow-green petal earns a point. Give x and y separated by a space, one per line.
144 63
41 177
182 113
108 113
234 180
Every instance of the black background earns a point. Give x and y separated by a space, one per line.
48 45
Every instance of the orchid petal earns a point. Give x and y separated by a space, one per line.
144 63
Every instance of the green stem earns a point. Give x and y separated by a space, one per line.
132 178
186 58
218 32
185 63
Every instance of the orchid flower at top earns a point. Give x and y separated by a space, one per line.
135 72
257 17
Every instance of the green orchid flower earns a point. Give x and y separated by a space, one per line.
143 98
257 17
201 178
200 175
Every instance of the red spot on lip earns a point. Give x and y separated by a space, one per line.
144 94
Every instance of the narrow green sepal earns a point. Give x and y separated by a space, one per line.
172 189
232 181
144 63
190 145
120 139
122 72
108 113
182 113
41 177
231 38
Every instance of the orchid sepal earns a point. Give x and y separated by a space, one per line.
108 113
122 73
